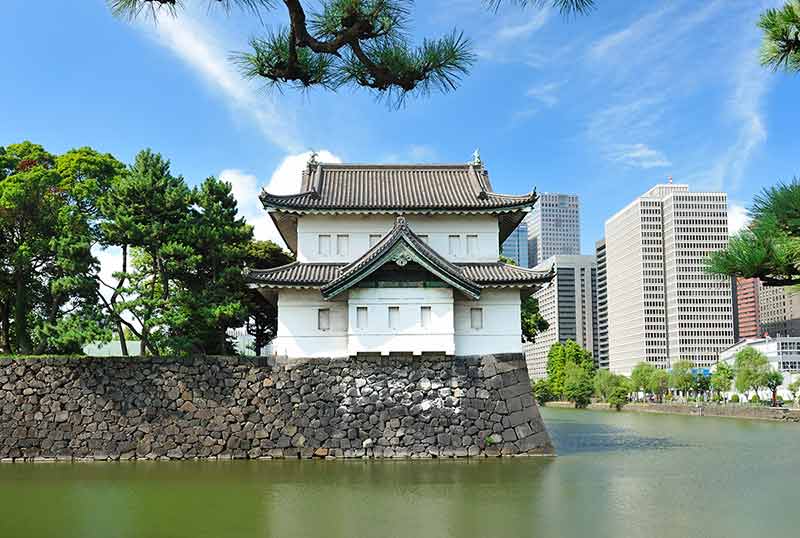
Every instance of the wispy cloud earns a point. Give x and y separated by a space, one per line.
502 42
546 94
192 41
637 156
523 30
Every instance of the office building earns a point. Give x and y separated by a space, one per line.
553 227
516 246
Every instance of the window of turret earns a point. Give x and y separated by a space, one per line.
373 239
425 317
394 317
454 242
476 318
472 245
324 319
324 245
361 317
342 244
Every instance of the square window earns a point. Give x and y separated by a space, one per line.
394 317
476 318
324 245
373 239
324 319
342 244
361 317
425 317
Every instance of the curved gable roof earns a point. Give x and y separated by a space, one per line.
401 245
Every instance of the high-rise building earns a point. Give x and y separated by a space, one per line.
568 304
747 311
516 245
601 344
779 310
553 227
663 306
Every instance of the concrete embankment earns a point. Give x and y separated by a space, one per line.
705 410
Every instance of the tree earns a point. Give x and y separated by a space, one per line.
781 45
658 384
773 379
751 370
641 376
701 383
262 322
578 385
559 356
605 382
48 224
532 320
794 388
618 397
770 248
348 43
681 377
542 391
721 378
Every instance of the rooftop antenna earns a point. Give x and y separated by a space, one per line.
312 160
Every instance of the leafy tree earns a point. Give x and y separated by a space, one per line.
781 45
701 383
348 43
262 322
752 367
533 322
770 248
721 378
641 375
559 356
794 388
605 382
542 391
681 377
47 229
618 397
773 379
658 384
578 386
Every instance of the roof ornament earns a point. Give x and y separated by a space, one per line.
400 221
312 160
669 180
476 158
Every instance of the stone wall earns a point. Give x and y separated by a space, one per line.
218 407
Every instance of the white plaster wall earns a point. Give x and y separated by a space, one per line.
298 332
409 336
502 329
438 228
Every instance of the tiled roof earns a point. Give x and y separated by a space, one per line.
432 187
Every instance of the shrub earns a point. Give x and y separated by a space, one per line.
735 398
542 391
754 399
718 399
618 398
668 397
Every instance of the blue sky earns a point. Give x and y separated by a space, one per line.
603 106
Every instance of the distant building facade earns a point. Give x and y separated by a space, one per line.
748 312
553 227
783 354
779 311
516 246
601 344
662 304
568 304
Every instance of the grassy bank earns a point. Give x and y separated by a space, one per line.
750 412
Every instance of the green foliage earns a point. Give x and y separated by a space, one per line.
641 376
681 377
754 399
559 356
770 248
262 323
773 379
605 382
48 224
781 45
734 398
618 398
752 367
658 384
349 43
542 391
794 388
531 319
722 377
578 386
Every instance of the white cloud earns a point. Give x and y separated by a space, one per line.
638 156
738 218
284 180
547 93
520 31
193 42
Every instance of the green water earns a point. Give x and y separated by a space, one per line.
622 475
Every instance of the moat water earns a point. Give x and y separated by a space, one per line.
617 474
